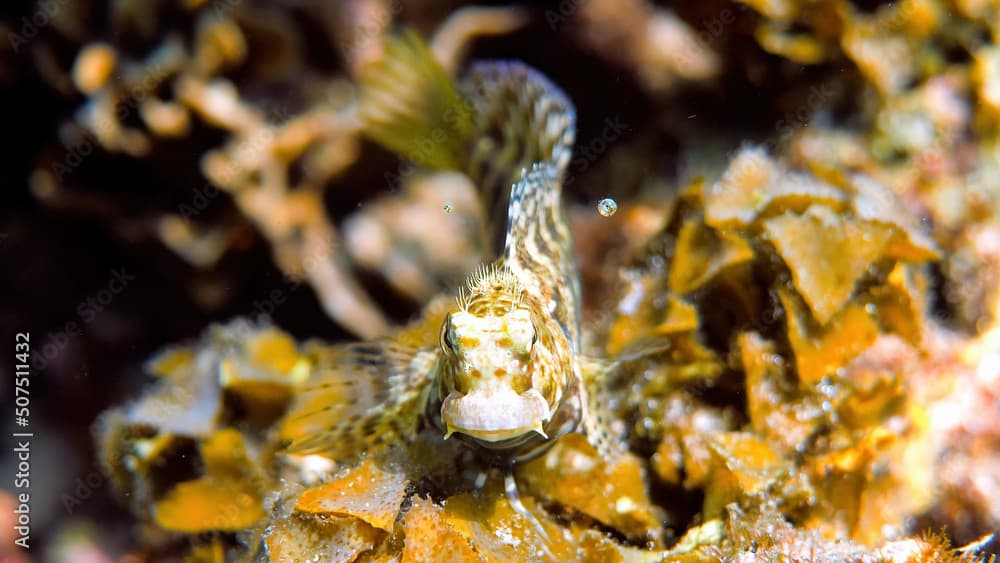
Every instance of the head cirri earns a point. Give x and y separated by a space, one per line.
499 383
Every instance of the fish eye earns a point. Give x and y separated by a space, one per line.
528 342
522 331
446 337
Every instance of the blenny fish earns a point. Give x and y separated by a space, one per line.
505 376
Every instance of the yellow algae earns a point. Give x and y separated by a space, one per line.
213 552
774 411
827 255
755 185
746 465
273 349
612 493
703 253
307 538
208 504
499 533
368 492
875 204
431 539
227 498
171 361
767 353
821 350
900 302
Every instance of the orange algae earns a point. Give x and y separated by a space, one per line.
820 351
614 494
702 253
227 498
298 538
430 538
826 254
351 495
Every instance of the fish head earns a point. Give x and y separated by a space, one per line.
499 381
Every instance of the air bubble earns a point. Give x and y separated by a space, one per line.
607 207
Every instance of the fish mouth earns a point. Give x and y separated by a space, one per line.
495 416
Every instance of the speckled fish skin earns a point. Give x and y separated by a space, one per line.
505 377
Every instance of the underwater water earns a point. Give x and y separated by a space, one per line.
594 281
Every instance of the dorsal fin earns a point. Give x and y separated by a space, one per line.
410 105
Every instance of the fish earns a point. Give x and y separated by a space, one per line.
504 374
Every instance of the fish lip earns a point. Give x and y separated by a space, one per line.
495 417
494 435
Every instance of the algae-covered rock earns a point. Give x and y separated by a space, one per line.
797 349
228 497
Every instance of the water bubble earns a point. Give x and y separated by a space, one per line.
607 207
448 207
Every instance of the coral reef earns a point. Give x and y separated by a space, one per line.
798 287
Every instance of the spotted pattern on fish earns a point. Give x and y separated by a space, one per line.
505 375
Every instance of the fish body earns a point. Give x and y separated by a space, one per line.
504 376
